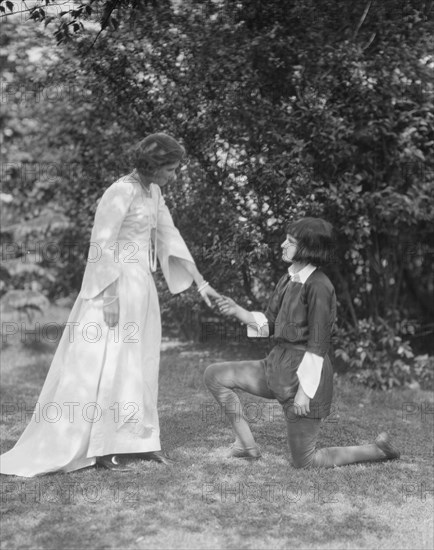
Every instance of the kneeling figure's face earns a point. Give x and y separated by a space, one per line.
289 248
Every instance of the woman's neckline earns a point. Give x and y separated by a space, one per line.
146 189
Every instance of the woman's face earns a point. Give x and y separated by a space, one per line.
289 248
166 174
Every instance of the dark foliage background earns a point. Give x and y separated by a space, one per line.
286 108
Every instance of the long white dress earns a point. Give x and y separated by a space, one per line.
100 394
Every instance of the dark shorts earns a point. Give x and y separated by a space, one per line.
280 367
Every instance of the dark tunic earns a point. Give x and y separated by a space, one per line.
301 318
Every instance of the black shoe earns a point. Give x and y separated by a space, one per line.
111 462
157 456
383 443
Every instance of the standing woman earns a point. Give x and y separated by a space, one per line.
99 399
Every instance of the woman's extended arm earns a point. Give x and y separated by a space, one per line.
206 291
175 259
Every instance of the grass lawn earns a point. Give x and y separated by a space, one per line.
207 501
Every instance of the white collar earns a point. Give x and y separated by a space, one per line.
304 273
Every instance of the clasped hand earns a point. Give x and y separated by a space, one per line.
227 306
207 293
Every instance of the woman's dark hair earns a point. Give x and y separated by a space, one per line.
315 241
155 151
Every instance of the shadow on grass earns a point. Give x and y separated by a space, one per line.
208 501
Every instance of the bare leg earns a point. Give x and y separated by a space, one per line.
221 380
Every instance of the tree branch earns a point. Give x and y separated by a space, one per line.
104 22
362 19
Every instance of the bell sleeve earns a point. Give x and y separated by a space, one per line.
309 373
103 267
171 248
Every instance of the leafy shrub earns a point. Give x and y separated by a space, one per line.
378 355
330 116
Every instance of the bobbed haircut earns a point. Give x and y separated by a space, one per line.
155 151
315 241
